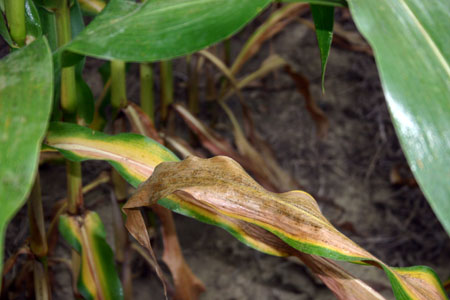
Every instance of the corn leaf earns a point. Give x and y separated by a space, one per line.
26 88
218 191
187 285
411 42
162 29
32 21
221 184
342 3
4 32
98 278
323 20
343 284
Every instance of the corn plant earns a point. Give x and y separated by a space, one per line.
46 107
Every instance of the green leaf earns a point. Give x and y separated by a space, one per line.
411 41
323 20
98 277
85 98
48 25
26 87
342 3
32 20
4 32
162 29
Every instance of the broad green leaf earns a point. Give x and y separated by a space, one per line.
342 3
411 42
26 88
162 29
98 278
219 192
323 20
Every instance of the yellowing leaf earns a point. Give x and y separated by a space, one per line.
98 278
219 192
223 186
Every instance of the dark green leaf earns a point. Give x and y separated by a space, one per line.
26 87
4 32
32 20
411 41
323 20
76 19
162 29
85 99
48 25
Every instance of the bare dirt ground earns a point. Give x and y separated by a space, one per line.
349 170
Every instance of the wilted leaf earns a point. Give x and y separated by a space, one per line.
273 63
343 284
411 42
270 64
266 221
258 161
26 88
216 144
221 184
265 169
274 24
98 278
140 122
187 285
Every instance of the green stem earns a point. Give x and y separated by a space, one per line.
69 105
147 92
118 86
38 240
41 281
74 187
166 88
15 15
64 34
118 101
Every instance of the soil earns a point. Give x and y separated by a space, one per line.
349 170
